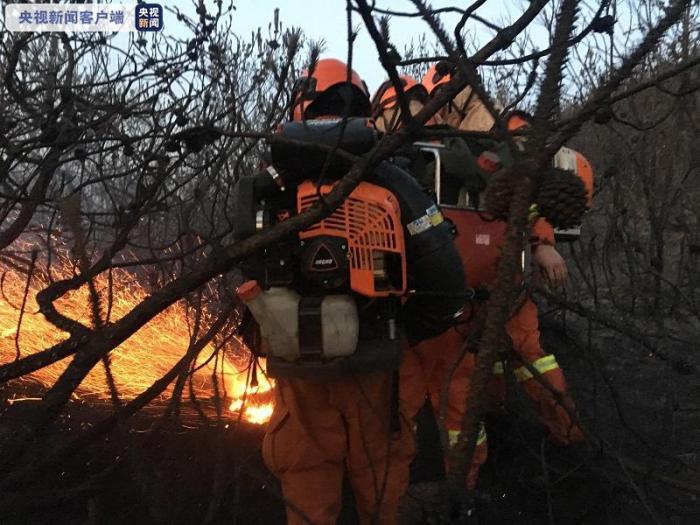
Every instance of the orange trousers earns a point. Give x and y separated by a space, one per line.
523 329
434 359
320 431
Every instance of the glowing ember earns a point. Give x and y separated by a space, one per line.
139 361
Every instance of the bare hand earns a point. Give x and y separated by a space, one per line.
552 265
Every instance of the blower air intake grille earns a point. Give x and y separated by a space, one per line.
370 221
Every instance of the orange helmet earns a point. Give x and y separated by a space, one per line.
385 97
328 74
438 74
517 119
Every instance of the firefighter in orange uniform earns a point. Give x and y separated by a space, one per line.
523 328
385 107
319 431
434 357
467 112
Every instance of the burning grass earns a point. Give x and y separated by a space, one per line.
140 360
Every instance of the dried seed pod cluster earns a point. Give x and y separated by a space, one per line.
560 196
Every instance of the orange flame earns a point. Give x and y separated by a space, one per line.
143 358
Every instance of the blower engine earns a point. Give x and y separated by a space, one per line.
329 300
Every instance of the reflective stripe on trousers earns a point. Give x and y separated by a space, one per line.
453 436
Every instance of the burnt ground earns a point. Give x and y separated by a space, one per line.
643 467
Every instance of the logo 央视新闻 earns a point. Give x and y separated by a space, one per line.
149 17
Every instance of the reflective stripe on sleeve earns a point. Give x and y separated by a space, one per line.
542 365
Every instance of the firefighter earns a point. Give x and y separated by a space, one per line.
523 327
432 358
385 107
465 111
468 113
321 431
